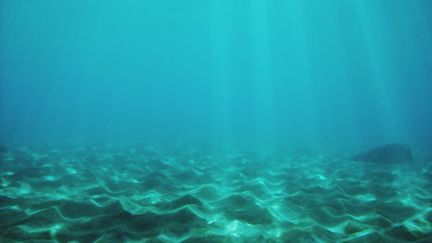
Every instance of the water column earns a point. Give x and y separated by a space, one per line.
382 84
221 128
261 72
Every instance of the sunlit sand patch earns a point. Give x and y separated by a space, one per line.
24 189
71 171
49 178
365 197
4 182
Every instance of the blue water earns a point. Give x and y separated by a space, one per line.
299 72
325 76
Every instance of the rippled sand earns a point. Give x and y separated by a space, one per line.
168 195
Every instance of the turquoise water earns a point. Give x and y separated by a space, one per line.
214 121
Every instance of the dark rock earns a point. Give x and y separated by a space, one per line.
3 149
427 172
301 152
390 153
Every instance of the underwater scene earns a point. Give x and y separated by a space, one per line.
216 121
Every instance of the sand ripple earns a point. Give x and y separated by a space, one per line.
190 195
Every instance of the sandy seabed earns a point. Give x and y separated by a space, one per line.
149 194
